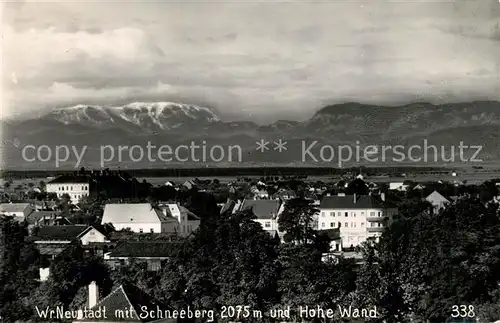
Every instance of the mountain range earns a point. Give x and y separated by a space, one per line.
166 123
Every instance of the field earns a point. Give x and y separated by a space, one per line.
470 178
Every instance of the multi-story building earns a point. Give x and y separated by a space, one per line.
358 217
77 187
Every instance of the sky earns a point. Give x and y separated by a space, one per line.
248 59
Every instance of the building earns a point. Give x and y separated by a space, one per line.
138 217
123 304
148 218
189 184
188 221
20 211
266 212
285 194
398 186
47 218
437 200
66 234
153 253
76 187
358 217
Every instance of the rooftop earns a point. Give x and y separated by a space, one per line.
70 179
133 213
125 297
138 249
262 209
351 202
13 207
60 232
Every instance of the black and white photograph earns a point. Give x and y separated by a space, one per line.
280 161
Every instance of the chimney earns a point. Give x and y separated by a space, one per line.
354 198
93 294
382 196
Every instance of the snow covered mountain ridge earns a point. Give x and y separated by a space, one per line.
150 115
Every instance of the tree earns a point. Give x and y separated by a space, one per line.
357 186
42 185
298 221
18 258
69 273
425 264
229 261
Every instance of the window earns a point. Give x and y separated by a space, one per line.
372 213
92 233
152 230
71 187
362 213
323 214
362 224
380 225
346 225
332 214
339 224
62 188
332 224
267 224
372 225
322 224
353 214
346 214
354 224
379 213
140 231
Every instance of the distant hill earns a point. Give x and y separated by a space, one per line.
167 123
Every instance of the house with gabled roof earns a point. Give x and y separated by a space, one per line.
47 218
148 218
437 200
126 303
138 217
266 212
187 221
17 210
67 234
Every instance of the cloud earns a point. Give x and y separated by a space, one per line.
282 58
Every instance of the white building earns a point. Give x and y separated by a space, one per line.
358 217
267 212
18 210
76 187
188 221
398 186
146 218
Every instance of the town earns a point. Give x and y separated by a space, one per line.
103 239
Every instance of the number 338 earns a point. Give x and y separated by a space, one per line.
462 311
